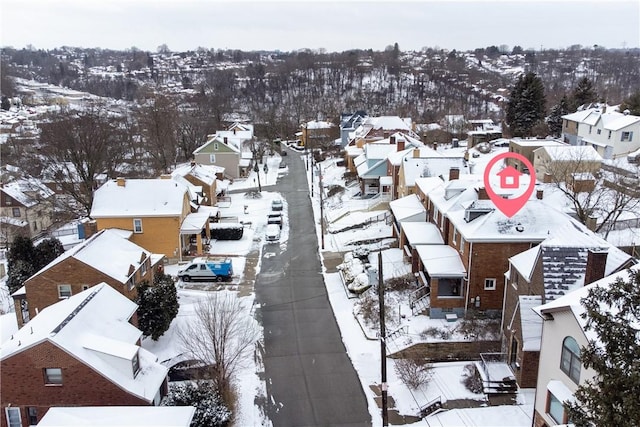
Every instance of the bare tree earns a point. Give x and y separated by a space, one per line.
76 148
222 335
600 197
158 121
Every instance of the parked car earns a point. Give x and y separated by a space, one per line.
275 218
277 205
272 233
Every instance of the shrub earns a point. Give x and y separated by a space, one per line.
435 332
222 231
413 371
210 410
471 378
401 283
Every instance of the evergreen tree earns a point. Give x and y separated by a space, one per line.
611 397
526 105
584 93
157 306
554 120
632 104
21 248
47 251
210 410
19 272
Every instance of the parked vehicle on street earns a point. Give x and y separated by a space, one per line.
277 205
212 270
275 218
272 233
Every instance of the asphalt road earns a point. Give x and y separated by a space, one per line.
310 379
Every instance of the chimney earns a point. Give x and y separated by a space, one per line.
596 265
454 173
482 194
400 144
165 176
416 153
539 194
120 181
435 145
591 223
234 131
193 162
90 228
392 139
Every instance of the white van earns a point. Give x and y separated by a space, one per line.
272 234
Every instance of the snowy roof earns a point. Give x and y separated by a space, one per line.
205 173
27 191
441 260
317 124
77 324
139 197
386 180
572 300
525 261
118 416
422 233
122 255
530 322
537 142
193 223
407 207
572 153
428 184
425 167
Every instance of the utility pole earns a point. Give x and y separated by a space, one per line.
311 170
383 347
256 169
321 208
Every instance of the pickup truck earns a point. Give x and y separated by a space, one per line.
208 270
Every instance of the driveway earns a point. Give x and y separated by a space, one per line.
310 379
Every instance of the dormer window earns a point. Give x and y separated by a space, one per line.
135 364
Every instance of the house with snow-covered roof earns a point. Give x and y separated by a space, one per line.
225 149
26 205
84 266
318 133
613 134
570 258
564 334
81 351
205 177
560 163
349 122
427 162
160 213
526 147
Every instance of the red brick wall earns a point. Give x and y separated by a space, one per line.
23 383
42 290
491 260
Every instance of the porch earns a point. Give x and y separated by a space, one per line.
497 377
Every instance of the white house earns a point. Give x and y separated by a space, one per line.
563 335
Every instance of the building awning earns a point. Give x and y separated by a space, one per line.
441 261
194 223
386 180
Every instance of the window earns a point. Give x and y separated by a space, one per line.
7 201
590 128
489 284
215 146
599 131
555 409
16 212
53 376
137 225
13 417
609 136
212 158
32 415
131 283
455 236
64 291
570 359
462 243
143 268
626 136
135 364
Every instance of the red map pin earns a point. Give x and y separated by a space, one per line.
509 179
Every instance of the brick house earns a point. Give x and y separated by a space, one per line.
426 162
318 133
563 335
82 351
566 261
159 212
82 267
26 206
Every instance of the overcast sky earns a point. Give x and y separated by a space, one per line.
334 26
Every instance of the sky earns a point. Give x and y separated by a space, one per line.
334 26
